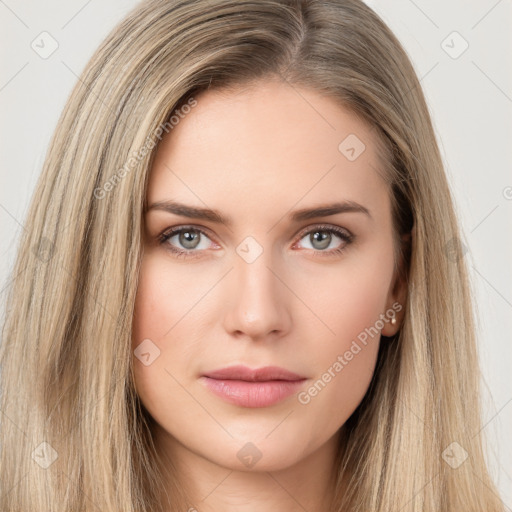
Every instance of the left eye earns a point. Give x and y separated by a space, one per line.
320 238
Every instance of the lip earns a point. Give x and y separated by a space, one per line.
245 387
241 372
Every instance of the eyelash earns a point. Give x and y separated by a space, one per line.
347 237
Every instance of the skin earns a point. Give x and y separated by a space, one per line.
256 155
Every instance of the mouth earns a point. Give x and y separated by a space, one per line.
245 387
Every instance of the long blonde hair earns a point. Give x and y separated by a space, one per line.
73 433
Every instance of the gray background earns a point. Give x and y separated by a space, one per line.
469 95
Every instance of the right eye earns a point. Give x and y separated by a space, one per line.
184 240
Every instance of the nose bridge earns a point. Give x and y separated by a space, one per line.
258 307
255 278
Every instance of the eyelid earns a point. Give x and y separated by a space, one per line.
170 232
327 227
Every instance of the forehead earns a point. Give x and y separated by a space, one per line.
268 145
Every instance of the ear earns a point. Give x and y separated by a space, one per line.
398 291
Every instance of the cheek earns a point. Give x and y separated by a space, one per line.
351 306
164 312
165 295
150 304
156 312
344 369
350 301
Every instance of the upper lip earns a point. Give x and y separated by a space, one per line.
265 373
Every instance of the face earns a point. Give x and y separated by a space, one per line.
242 274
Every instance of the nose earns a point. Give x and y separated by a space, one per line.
258 302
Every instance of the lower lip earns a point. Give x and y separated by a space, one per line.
253 394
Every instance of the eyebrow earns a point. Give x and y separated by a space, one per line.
215 216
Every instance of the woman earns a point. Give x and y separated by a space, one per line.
179 337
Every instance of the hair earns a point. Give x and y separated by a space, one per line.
66 359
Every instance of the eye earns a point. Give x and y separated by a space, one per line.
186 240
322 237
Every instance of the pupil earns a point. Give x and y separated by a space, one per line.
324 239
187 239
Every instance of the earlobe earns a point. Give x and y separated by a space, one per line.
396 307
394 317
398 295
393 323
